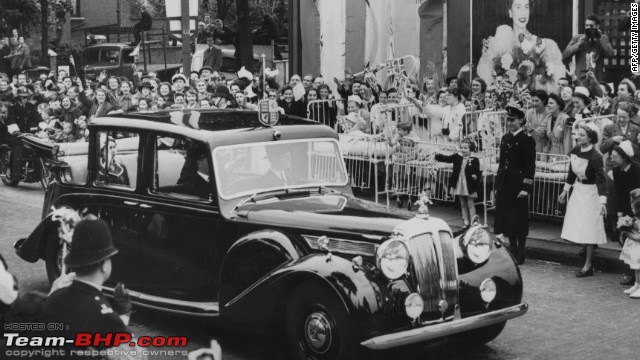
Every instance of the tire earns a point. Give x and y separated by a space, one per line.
481 336
312 307
53 258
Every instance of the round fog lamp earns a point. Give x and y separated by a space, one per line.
488 290
414 305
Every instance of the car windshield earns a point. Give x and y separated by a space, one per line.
103 55
253 168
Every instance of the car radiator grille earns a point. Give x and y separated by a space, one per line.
435 271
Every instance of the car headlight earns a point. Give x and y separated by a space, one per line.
392 258
476 245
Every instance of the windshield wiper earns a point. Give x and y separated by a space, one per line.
279 193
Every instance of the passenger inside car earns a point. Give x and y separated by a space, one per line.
112 171
194 178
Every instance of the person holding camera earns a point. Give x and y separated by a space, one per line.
590 50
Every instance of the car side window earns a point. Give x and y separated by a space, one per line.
182 169
117 159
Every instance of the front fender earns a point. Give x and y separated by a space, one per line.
251 258
32 248
372 302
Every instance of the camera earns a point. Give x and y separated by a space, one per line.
592 34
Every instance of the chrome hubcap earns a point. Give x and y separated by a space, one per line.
318 332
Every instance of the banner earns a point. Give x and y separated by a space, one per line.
521 41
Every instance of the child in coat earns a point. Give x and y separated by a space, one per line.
631 251
465 178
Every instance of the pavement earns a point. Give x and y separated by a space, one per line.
543 243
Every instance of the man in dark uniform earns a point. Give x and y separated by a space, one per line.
22 117
194 177
81 306
514 183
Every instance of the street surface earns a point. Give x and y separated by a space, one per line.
569 318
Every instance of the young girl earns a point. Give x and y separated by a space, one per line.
631 250
82 133
465 178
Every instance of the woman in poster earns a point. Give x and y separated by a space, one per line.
528 60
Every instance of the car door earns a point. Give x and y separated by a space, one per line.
114 178
179 249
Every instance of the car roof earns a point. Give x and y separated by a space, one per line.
218 127
119 45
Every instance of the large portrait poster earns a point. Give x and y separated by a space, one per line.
521 40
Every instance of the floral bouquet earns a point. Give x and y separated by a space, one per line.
600 106
530 61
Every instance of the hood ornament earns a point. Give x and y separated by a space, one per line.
423 203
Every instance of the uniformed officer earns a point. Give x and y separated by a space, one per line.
514 183
81 307
22 117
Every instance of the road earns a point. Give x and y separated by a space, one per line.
569 318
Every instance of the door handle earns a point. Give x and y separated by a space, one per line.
130 203
146 206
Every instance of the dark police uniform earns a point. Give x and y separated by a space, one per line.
515 174
83 308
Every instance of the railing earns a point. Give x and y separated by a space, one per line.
365 157
324 111
548 183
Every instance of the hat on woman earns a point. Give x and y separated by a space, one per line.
223 91
179 77
145 84
583 93
627 147
91 244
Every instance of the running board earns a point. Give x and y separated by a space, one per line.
200 309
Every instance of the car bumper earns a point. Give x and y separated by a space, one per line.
433 332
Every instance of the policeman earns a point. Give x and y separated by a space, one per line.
81 306
22 117
514 183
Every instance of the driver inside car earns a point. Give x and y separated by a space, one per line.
194 178
281 172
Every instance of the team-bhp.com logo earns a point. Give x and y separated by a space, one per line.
85 343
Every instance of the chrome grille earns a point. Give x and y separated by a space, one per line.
435 270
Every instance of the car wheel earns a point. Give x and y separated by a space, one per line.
53 258
481 336
317 325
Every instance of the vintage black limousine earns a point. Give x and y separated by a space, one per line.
217 215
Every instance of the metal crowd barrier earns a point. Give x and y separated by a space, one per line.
548 183
324 111
365 157
413 169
